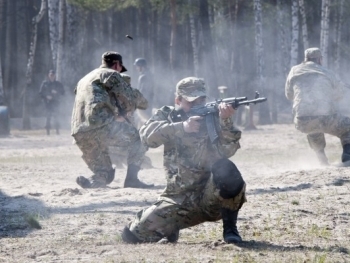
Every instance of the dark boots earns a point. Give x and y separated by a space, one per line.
131 179
86 183
345 157
110 176
322 158
229 219
96 182
128 236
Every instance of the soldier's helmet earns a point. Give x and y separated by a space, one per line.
141 62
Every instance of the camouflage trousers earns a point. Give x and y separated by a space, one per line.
316 126
167 217
95 147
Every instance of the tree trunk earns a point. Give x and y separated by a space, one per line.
21 46
234 81
325 31
61 36
208 58
74 40
2 94
264 115
194 40
339 26
29 74
172 47
304 24
53 10
10 40
295 34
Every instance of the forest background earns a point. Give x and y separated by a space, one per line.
245 45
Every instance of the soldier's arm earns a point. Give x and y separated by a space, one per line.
229 138
42 90
141 101
159 129
288 87
119 89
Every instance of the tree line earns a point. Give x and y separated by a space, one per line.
243 45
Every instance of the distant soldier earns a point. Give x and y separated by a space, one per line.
315 92
51 91
146 86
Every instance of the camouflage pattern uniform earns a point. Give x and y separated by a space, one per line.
191 196
315 91
119 154
94 124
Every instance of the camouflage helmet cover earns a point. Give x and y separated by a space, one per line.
191 88
312 53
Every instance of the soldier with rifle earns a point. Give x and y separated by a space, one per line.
202 183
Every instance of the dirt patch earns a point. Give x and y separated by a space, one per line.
297 211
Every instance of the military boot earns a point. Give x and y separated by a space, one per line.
229 219
322 158
172 238
345 157
129 237
86 183
131 179
110 176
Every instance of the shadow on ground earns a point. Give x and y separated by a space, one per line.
17 218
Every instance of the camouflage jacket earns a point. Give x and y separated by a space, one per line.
187 156
313 90
97 95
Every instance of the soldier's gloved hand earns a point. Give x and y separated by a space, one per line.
192 124
225 110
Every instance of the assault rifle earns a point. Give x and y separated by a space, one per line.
211 108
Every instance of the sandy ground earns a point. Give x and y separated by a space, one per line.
297 211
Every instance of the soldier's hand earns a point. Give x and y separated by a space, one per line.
192 124
48 97
119 118
225 110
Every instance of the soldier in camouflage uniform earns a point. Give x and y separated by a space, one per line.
202 183
315 91
100 119
119 154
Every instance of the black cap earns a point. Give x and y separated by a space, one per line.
51 71
113 57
